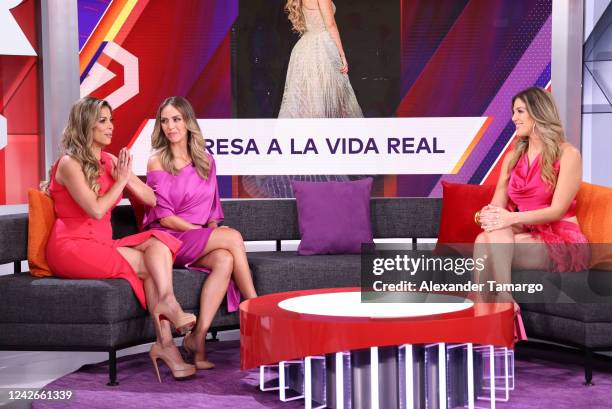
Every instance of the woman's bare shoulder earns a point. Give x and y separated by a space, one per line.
569 152
154 163
67 162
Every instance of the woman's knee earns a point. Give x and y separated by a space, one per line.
234 239
222 262
135 258
157 246
482 238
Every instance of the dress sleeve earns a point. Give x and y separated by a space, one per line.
216 211
164 207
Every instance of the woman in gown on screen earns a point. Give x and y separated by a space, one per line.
183 177
317 83
538 182
86 184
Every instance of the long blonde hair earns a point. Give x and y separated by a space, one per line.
195 139
296 15
541 107
77 139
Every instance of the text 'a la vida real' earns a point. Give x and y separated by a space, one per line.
343 146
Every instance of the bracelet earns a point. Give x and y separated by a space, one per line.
477 218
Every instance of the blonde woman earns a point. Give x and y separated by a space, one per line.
538 182
183 176
317 84
86 184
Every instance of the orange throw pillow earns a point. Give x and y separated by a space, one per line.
594 212
459 203
40 221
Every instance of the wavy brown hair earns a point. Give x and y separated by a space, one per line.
296 16
542 109
195 139
77 139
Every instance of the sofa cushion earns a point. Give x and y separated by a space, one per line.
334 217
279 271
28 299
567 330
584 296
50 300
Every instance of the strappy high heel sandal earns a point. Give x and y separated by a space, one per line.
205 364
182 321
180 370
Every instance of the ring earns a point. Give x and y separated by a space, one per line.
477 218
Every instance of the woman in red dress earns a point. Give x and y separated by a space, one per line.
86 184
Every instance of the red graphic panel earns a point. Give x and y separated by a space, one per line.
20 108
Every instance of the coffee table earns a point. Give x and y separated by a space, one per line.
332 350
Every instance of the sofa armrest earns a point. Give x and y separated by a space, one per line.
13 238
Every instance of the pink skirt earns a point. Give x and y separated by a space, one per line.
568 248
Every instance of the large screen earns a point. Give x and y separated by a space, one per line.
426 97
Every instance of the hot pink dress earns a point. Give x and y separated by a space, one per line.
80 246
568 248
195 200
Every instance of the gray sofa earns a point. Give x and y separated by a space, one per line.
104 315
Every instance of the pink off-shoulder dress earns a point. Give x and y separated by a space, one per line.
195 200
568 248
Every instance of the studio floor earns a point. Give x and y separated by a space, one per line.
547 376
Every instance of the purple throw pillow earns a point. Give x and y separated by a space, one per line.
334 217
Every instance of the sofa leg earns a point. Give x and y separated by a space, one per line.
214 338
112 368
588 367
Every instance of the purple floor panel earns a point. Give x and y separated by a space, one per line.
546 377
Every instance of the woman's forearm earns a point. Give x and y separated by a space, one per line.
335 34
141 191
177 223
540 216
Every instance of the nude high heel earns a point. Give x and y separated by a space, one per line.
182 321
198 364
180 370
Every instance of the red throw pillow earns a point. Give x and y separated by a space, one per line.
459 203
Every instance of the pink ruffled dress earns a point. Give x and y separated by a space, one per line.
195 200
568 248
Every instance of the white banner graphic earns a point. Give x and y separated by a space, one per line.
360 146
12 39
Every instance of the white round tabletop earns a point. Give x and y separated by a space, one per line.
349 304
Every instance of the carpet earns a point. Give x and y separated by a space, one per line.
546 377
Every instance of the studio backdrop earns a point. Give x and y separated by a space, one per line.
427 95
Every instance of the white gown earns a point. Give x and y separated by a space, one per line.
315 87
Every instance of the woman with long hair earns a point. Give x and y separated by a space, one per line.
317 85
538 182
86 184
183 177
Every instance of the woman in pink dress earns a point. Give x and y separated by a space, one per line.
86 184
538 182
183 177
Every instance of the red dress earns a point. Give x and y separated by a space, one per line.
80 246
